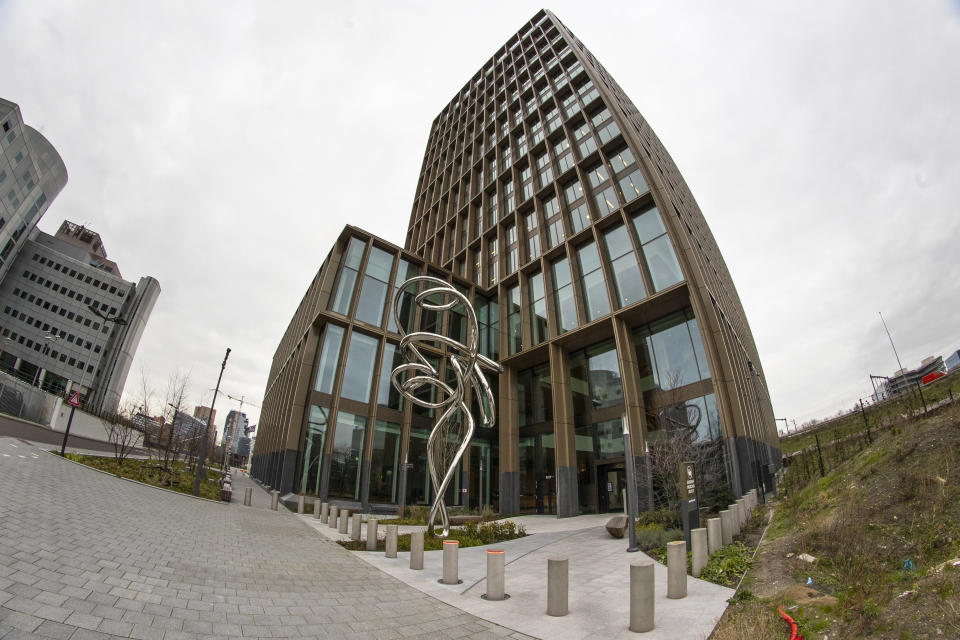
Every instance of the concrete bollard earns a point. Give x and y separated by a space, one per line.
324 513
714 535
677 569
416 550
355 526
334 512
495 575
451 562
744 513
698 542
558 583
391 546
300 504
371 533
344 521
274 500
248 496
641 596
316 509
726 526
735 518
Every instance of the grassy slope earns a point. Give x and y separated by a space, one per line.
147 471
896 500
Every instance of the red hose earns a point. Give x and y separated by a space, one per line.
793 625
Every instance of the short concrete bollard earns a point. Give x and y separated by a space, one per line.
451 562
248 496
698 542
714 535
344 521
558 583
726 526
355 526
677 569
316 509
416 550
371 534
744 513
735 518
495 575
324 513
334 512
641 596
300 504
274 500
391 545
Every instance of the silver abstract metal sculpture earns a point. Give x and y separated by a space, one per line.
455 425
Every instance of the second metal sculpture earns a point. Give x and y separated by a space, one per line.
415 379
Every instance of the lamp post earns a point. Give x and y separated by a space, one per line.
203 443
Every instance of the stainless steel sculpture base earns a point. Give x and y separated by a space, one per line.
455 424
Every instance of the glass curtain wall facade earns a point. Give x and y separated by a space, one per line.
546 199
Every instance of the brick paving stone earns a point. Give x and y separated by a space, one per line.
87 556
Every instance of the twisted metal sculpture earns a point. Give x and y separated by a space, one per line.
454 428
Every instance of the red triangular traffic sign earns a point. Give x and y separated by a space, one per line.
74 399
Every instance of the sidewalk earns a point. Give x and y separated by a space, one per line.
240 481
599 582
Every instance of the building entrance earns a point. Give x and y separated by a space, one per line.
611 481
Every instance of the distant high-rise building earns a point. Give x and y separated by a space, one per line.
31 175
204 412
70 320
547 200
233 429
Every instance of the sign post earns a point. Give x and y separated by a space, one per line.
631 489
74 402
689 510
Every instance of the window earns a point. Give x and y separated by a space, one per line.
538 308
329 355
493 270
348 276
385 461
578 213
621 160
592 283
670 353
312 456
544 169
633 186
405 271
514 326
564 300
346 454
595 379
375 284
387 394
533 235
657 250
358 370
623 264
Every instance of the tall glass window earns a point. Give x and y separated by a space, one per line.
535 393
623 263
563 298
376 281
595 379
358 371
633 185
591 280
538 308
348 276
387 394
670 353
576 205
418 480
405 271
329 355
657 250
493 270
345 457
488 321
385 461
514 326
312 456
533 235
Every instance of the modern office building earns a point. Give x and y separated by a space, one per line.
235 427
31 175
204 413
548 201
70 321
911 379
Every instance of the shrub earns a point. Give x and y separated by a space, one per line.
651 536
728 564
667 518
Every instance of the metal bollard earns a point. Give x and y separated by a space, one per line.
714 535
451 562
274 500
726 526
248 496
324 513
316 509
344 521
641 596
391 545
698 542
334 512
371 534
495 575
355 526
677 569
558 583
416 550
300 504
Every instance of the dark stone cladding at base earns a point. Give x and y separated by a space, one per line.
754 464
644 484
364 484
509 492
288 468
568 495
325 475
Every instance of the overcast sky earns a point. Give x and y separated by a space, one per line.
221 146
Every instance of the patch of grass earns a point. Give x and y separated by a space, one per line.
471 535
728 564
150 472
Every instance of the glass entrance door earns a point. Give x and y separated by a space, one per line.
611 481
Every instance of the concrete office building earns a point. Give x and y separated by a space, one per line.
70 320
546 198
31 175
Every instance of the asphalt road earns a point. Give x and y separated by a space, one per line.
42 435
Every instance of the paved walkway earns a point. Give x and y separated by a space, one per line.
241 481
599 575
85 555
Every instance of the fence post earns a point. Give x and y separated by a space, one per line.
866 423
816 436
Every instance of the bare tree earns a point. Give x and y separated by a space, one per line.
122 433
